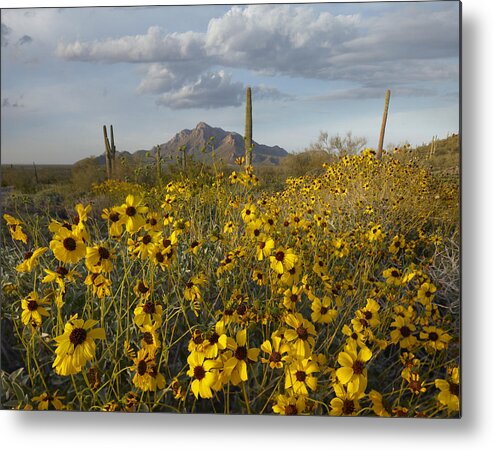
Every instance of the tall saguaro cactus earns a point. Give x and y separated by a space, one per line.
110 152
384 123
248 128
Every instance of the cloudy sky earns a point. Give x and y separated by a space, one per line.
153 71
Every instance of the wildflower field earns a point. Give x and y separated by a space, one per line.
335 295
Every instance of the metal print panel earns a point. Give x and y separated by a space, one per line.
232 209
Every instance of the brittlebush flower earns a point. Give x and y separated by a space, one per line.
300 335
403 333
31 260
322 311
345 403
46 400
68 246
289 405
393 277
15 228
76 345
264 247
299 376
283 260
378 406
204 374
33 309
277 352
115 221
435 338
353 367
144 368
99 259
132 213
148 313
449 390
236 365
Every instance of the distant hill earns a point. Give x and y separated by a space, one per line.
201 141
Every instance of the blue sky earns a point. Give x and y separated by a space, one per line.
153 71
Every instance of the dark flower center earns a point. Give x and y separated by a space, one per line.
241 309
141 367
148 338
214 338
454 388
103 253
300 376
280 256
130 211
241 352
348 407
61 271
190 285
114 217
32 305
159 257
27 255
146 239
358 367
149 308
166 243
198 372
433 336
256 232
294 298
153 221
248 212
395 273
69 244
302 333
198 339
142 288
261 245
228 312
323 310
78 336
291 410
405 331
275 357
194 244
368 315
415 386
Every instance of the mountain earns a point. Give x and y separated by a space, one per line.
227 146
201 141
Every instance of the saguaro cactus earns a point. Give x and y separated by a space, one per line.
384 123
110 152
248 128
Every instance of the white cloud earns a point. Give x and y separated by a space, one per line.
394 50
211 90
153 46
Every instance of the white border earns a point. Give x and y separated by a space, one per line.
86 430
